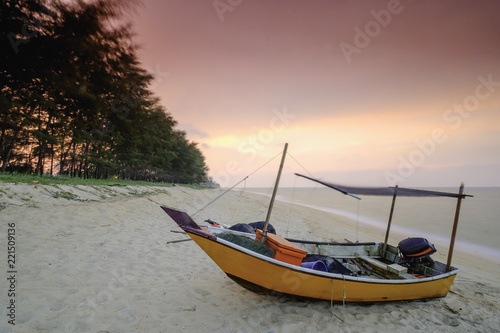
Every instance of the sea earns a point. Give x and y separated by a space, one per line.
478 229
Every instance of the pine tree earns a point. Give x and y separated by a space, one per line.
76 101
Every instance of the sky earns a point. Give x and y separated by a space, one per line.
364 92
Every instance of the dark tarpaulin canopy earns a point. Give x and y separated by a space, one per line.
181 218
400 191
385 191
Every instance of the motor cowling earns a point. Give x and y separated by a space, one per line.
415 250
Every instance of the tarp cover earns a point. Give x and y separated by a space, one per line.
181 218
385 191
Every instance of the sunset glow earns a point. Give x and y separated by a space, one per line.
414 94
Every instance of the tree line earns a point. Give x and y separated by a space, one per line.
76 101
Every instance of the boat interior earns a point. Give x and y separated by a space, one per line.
368 260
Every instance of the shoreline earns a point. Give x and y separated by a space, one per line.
98 260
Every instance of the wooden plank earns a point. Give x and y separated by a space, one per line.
374 263
393 271
397 269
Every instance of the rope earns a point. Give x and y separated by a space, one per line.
293 158
331 299
343 298
291 206
217 198
244 187
357 222
293 193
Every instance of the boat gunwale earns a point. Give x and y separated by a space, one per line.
320 273
292 240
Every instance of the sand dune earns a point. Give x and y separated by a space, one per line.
96 259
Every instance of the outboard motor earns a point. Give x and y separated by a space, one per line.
416 250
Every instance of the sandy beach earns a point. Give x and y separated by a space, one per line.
97 259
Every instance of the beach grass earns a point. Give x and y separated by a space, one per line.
17 178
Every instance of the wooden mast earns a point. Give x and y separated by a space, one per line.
264 229
390 221
455 225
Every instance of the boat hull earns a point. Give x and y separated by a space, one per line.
260 273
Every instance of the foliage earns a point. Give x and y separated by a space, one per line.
75 100
17 178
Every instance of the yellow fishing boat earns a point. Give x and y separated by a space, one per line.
346 272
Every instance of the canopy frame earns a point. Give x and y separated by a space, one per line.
400 191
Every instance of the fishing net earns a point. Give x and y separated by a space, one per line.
248 243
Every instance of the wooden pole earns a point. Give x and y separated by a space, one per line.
264 229
390 221
455 225
180 240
